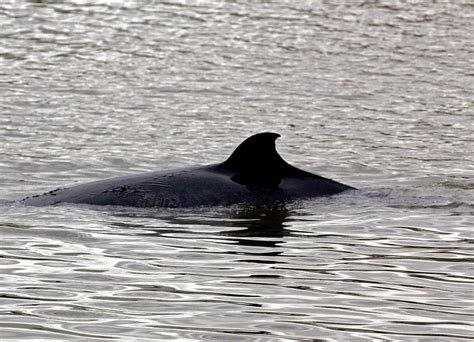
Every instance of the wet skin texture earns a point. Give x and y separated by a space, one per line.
254 174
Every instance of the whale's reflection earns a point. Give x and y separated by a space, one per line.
259 223
249 226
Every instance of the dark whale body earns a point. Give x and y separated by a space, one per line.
254 174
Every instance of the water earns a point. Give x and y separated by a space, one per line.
377 95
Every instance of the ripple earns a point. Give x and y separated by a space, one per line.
372 94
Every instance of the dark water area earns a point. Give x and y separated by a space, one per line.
375 94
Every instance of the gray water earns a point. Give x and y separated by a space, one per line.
375 94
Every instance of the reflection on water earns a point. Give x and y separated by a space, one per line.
362 271
264 223
374 94
267 224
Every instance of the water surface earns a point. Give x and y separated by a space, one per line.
375 95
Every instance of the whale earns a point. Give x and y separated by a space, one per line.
254 174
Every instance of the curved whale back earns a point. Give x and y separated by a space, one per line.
253 174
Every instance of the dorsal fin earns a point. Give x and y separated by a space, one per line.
256 156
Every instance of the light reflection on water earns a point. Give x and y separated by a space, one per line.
374 95
272 272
